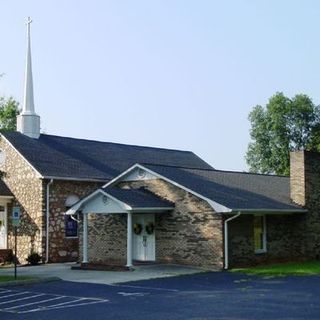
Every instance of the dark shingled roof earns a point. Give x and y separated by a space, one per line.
234 190
138 198
55 156
4 190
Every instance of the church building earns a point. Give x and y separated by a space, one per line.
102 202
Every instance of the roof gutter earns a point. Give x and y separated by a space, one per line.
47 218
267 211
151 209
76 179
226 243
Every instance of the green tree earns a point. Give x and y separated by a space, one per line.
9 110
282 126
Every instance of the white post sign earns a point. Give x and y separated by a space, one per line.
16 216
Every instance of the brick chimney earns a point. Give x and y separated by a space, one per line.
305 177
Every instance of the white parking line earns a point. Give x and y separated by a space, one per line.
128 294
4 291
36 302
65 306
14 294
41 304
30 297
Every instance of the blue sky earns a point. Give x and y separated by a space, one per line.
177 74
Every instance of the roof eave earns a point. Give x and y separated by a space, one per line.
151 209
76 179
6 197
267 211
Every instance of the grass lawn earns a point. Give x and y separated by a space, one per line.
11 278
284 269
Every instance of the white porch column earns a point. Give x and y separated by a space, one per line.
85 238
129 239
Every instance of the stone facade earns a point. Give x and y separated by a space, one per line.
190 234
62 248
26 186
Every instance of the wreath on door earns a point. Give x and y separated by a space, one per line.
150 228
137 228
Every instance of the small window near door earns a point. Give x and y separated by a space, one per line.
259 233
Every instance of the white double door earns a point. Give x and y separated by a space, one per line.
3 227
144 242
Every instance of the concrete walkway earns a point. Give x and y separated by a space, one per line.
64 272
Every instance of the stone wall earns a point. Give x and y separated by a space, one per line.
62 248
26 185
285 240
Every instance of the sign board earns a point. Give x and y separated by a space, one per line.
16 216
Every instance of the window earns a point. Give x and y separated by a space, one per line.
71 224
259 233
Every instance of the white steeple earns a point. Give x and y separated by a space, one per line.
28 122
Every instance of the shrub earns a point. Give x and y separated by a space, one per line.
34 258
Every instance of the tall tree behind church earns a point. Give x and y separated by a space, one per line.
281 126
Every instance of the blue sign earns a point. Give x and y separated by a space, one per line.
16 216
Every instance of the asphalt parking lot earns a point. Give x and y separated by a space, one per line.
215 295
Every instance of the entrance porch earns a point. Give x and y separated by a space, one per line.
119 223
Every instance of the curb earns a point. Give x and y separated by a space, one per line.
18 282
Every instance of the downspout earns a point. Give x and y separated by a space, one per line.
226 244
47 219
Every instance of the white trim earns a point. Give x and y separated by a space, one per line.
226 240
39 175
74 179
79 204
270 211
217 207
5 205
85 239
129 239
151 209
6 197
264 235
48 218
